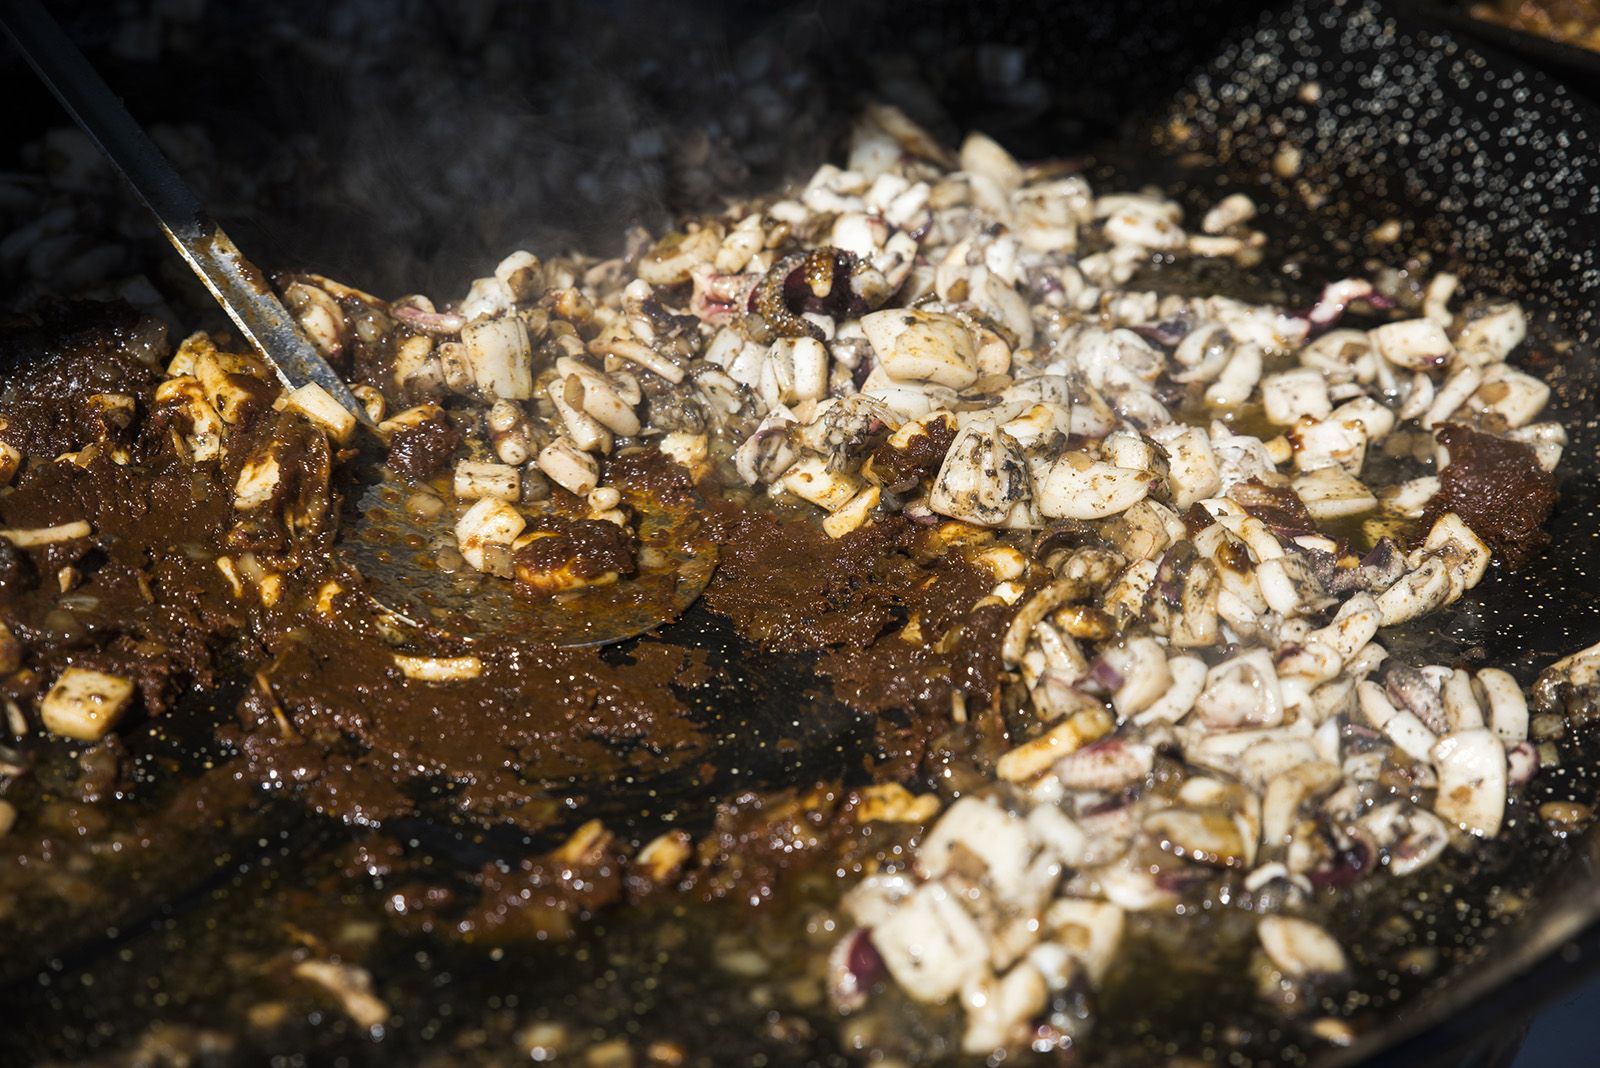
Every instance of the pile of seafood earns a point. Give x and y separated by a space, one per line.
1182 505
1200 515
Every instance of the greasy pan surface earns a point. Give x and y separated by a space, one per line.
1493 172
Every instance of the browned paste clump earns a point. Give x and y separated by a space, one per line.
566 552
1499 489
900 469
417 451
888 604
1280 507
756 844
537 723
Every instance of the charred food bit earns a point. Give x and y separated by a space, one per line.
1499 488
559 554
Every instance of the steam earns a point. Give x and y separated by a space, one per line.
456 139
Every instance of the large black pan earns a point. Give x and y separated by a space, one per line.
1494 171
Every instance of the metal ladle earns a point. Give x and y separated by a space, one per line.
390 545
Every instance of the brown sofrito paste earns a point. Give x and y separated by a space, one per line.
1498 488
536 725
1280 507
891 609
141 596
415 452
586 549
900 469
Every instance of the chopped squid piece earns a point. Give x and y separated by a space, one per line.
1408 732
1420 591
1341 357
509 432
1077 487
985 479
439 668
930 945
598 397
1285 794
1091 931
34 537
1242 692
1033 758
318 315
1508 708
1238 378
811 479
1548 441
488 526
1455 392
767 454
1515 397
499 355
1410 498
1331 493
475 480
85 704
1230 211
1143 224
1202 354
1492 334
1209 837
893 803
1462 711
1472 780
1290 396
1415 690
1056 832
569 467
1436 297
1336 297
919 346
585 431
259 479
1465 554
1375 704
1193 473
1299 948
636 351
1336 441
854 513
1106 765
1188 675
314 402
1142 667
985 831
1415 344
999 1011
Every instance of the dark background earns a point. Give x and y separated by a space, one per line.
407 146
